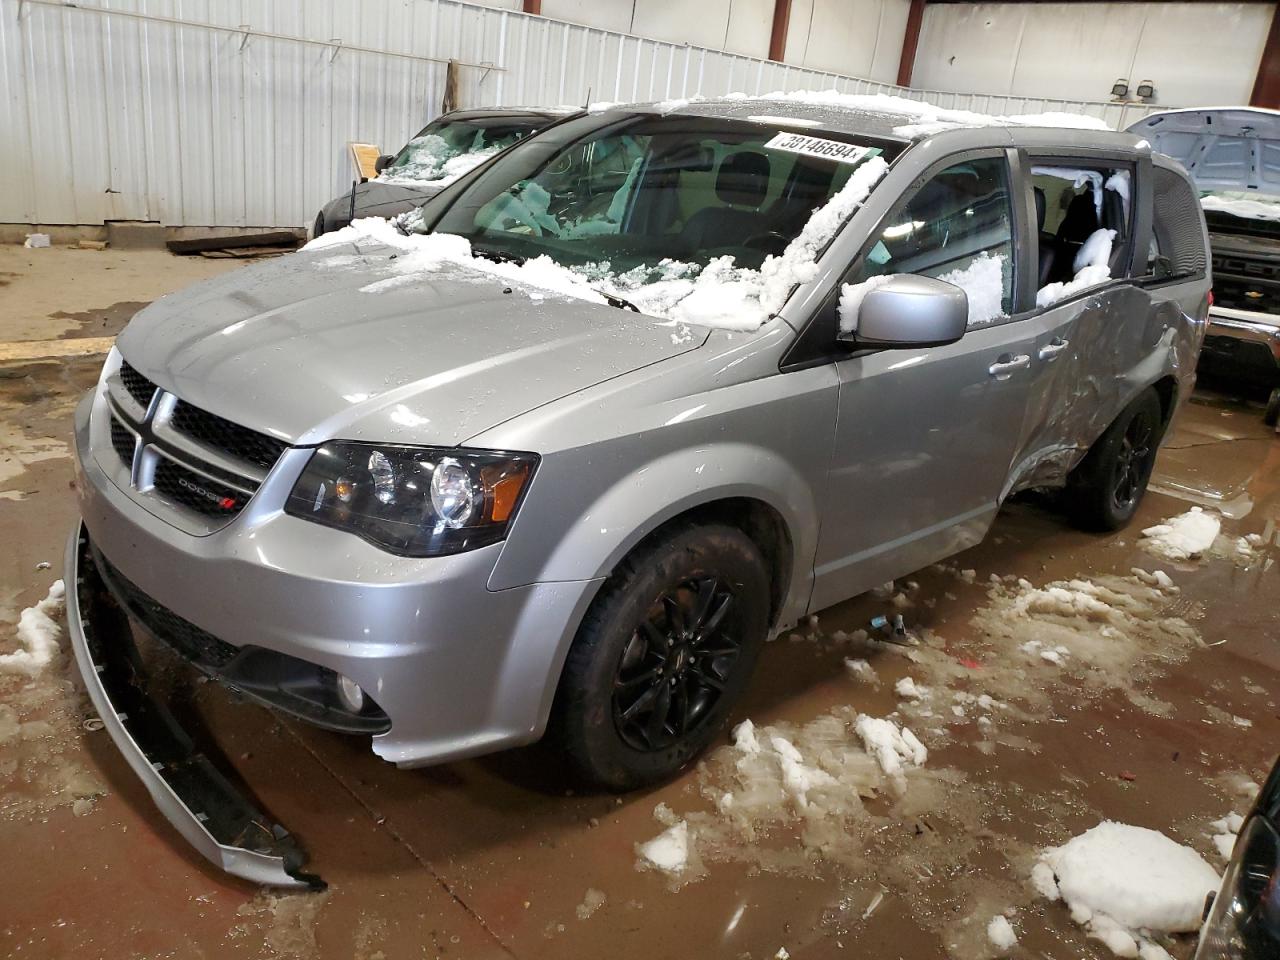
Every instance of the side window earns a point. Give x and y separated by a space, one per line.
1177 244
957 227
1083 219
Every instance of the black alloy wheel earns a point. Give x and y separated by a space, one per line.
1133 462
661 657
1104 491
675 666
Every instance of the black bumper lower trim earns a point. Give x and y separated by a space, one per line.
193 795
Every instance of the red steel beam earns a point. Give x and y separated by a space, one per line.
910 39
533 6
1266 88
778 38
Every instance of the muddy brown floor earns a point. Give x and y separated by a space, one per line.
493 859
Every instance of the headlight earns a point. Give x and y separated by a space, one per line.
413 501
1244 923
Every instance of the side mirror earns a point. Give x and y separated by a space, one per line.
382 162
903 310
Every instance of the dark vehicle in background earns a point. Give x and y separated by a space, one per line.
1243 919
443 150
1233 154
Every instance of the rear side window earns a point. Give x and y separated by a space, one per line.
1083 218
957 228
1177 245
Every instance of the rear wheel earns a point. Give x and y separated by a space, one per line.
1272 416
662 655
1105 489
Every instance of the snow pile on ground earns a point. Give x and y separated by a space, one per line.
1124 884
669 850
908 690
1092 266
1000 933
895 748
39 630
1183 537
1249 208
782 783
1225 832
1105 632
719 295
41 766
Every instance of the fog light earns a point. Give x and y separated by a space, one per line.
350 694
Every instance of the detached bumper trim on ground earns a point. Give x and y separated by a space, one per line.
200 802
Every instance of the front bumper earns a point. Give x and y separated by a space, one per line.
457 668
204 807
1243 344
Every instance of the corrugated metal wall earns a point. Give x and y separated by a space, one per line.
238 112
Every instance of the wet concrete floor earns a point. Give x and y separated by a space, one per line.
492 858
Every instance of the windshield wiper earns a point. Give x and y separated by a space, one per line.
497 256
615 301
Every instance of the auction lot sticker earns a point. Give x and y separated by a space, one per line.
817 147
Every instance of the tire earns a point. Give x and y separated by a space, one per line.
1104 491
642 629
1272 416
317 229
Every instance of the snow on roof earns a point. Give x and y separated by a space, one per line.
876 113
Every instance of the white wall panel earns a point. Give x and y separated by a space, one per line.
859 37
146 112
1197 54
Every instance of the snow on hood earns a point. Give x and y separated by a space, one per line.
1247 208
718 295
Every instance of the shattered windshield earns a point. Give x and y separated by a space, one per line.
650 193
449 148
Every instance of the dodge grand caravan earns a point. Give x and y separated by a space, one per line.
554 455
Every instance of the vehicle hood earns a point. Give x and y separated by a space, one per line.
375 197
1217 145
293 347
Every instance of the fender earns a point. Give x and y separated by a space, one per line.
655 492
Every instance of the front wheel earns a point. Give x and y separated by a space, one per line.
661 657
1104 491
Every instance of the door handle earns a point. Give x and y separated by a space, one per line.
1054 347
1002 369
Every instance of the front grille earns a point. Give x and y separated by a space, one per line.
196 492
1246 283
139 387
196 645
122 441
227 437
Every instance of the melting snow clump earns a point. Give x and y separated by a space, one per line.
1000 933
907 689
894 748
669 850
38 632
1183 537
1125 883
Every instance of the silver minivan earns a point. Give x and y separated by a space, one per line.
555 455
